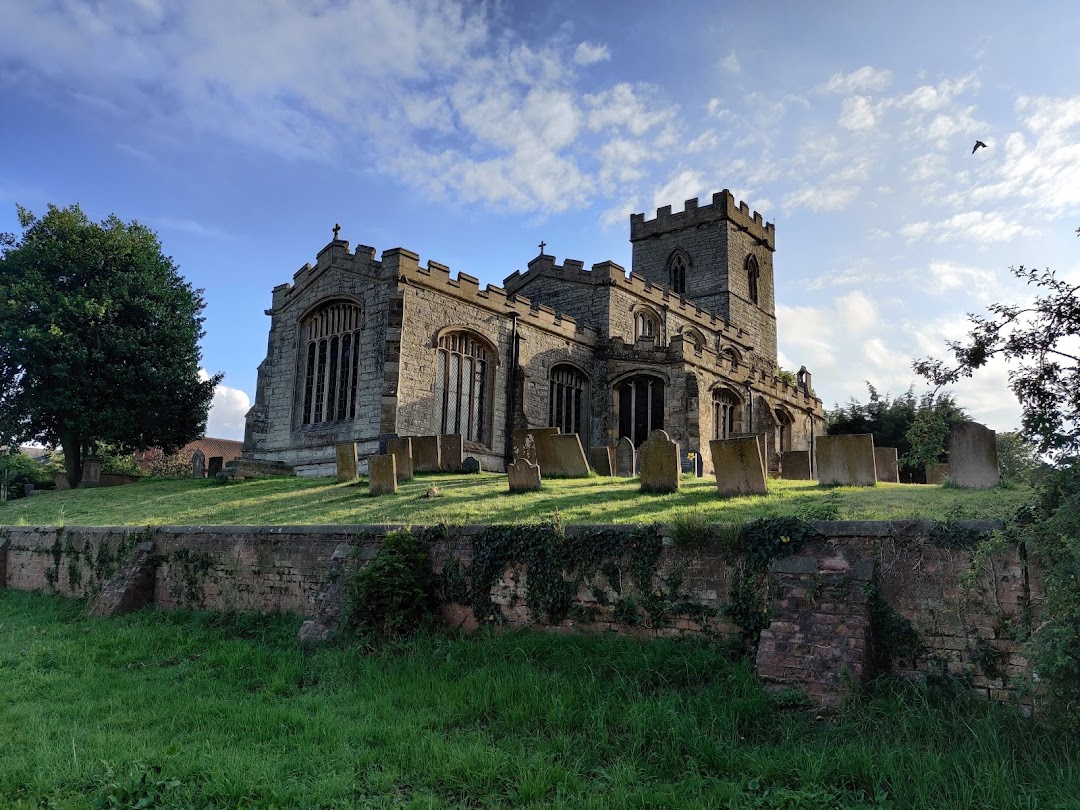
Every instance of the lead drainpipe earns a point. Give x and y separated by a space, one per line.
813 444
510 376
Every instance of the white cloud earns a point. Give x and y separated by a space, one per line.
857 113
684 185
730 63
829 196
976 226
588 53
864 80
227 410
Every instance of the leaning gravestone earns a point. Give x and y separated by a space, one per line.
425 450
625 458
543 449
973 460
847 460
382 475
198 464
603 460
346 461
737 466
569 458
523 476
795 465
451 452
214 465
937 473
659 463
887 466
91 473
401 450
762 445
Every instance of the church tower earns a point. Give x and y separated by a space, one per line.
720 257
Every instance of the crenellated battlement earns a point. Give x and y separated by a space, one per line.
723 208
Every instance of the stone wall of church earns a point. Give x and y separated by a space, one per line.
275 431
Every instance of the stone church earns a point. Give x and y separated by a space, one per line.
361 347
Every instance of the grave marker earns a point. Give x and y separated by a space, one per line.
603 460
888 469
382 475
346 461
795 465
625 458
425 454
660 468
569 458
198 464
401 450
973 460
847 460
737 466
523 476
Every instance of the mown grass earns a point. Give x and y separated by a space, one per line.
226 711
483 498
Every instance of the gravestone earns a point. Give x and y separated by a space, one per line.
28 489
451 452
763 445
198 464
569 458
214 465
847 460
384 447
937 473
603 460
401 450
737 466
625 458
382 475
346 461
425 454
471 464
973 460
888 469
60 481
523 476
795 465
542 451
659 463
91 472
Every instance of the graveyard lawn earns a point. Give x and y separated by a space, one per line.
201 710
483 498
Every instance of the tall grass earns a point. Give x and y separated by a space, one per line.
483 498
226 711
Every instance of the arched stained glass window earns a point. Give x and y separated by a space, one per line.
678 265
332 340
567 399
462 386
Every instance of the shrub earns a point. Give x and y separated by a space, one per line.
393 595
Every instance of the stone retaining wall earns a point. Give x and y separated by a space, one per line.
822 633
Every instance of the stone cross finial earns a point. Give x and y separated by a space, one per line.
337 229
542 246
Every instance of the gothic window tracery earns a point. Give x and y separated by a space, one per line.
784 422
646 325
567 399
753 276
678 264
641 407
726 413
332 337
462 386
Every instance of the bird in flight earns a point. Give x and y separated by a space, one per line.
977 145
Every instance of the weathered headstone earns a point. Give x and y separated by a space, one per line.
384 447
795 465
763 446
659 463
214 465
887 466
451 452
346 461
973 460
937 473
569 458
382 475
603 460
28 489
401 450
542 451
625 458
425 454
60 481
523 476
91 472
471 464
847 460
198 464
737 466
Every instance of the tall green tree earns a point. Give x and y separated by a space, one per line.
99 338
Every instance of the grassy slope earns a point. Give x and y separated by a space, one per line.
517 720
483 499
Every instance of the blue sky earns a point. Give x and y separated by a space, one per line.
242 131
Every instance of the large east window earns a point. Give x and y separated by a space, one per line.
331 358
462 386
641 407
